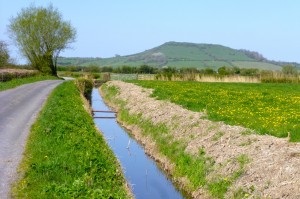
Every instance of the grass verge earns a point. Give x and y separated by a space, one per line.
17 82
195 168
65 156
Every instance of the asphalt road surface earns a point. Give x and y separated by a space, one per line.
18 110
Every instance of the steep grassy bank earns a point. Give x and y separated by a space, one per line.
65 156
17 82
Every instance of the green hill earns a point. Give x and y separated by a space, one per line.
181 54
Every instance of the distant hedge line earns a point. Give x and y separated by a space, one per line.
7 75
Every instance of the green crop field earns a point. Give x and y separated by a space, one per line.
272 109
260 65
201 64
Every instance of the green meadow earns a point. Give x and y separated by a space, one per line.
272 109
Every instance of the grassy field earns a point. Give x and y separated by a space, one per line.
65 156
17 82
260 65
272 109
199 63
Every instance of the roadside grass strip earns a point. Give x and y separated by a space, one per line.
17 82
272 109
65 155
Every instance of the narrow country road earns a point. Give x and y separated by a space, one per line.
18 110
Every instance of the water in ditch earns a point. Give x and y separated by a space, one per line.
141 172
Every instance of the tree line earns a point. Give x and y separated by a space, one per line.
146 69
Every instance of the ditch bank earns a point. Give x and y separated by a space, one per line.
143 175
207 159
66 156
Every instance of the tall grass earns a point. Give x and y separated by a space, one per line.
279 77
89 75
65 156
207 78
264 77
85 86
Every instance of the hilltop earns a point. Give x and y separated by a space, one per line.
182 54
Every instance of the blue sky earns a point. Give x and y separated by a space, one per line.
109 27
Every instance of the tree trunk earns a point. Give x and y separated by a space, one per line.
53 68
49 61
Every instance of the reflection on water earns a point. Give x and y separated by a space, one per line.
141 172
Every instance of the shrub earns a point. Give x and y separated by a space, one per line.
9 74
95 75
85 86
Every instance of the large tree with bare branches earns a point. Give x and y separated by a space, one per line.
41 34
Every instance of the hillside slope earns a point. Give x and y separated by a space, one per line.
182 54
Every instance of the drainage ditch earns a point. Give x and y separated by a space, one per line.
141 172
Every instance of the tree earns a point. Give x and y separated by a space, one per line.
224 70
4 55
41 34
189 70
290 70
208 71
92 69
145 69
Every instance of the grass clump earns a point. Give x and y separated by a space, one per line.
217 136
219 187
85 86
65 156
17 82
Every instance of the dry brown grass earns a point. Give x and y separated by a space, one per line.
201 78
265 77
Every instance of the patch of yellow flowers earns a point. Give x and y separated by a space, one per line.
267 108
